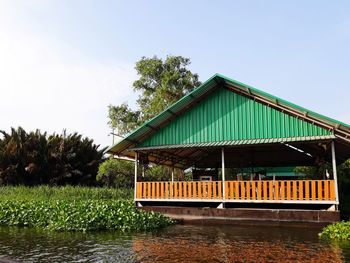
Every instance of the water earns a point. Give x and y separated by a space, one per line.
180 243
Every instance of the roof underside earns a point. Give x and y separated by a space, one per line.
226 113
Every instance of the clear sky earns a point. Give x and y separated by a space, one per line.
63 62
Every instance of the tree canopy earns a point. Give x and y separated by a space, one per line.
160 84
32 158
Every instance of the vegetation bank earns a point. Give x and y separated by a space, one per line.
75 209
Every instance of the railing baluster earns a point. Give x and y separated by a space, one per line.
320 190
171 188
148 190
265 190
166 190
175 190
179 191
237 196
326 189
231 190
289 190
253 190
157 190
241 186
219 190
228 189
282 190
210 186
162 190
205 190
247 189
138 190
301 190
143 190
313 190
153 189
199 190
214 190
185 190
307 190
194 189
277 189
271 196
331 188
295 190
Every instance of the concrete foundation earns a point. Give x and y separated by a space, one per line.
232 215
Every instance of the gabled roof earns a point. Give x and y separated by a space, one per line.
122 147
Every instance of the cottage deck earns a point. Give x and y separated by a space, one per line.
278 191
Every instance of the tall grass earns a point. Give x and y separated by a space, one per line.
46 193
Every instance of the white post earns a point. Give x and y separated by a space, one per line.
172 174
335 177
135 182
223 172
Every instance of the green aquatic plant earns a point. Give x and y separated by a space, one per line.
80 215
340 230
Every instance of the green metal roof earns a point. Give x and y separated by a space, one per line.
304 119
226 116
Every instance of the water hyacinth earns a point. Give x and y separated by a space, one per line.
80 215
340 231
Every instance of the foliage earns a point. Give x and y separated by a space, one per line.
37 158
116 173
340 230
81 215
157 173
343 172
161 83
75 209
162 173
67 193
123 118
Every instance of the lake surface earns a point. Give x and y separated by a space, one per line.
180 243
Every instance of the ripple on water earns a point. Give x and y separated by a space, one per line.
181 243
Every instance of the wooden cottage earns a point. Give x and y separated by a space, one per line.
225 125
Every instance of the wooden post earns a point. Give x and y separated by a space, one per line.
335 177
135 176
223 172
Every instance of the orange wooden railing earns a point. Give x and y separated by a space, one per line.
291 190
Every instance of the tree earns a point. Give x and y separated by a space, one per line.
37 158
116 173
161 83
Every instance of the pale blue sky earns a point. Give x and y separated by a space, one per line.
62 62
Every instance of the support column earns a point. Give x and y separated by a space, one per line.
223 173
335 177
172 174
135 176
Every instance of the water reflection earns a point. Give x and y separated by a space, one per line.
181 243
35 245
237 244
